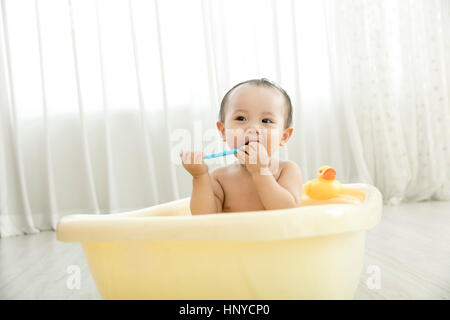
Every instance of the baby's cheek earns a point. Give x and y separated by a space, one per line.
272 143
269 144
233 138
230 139
270 151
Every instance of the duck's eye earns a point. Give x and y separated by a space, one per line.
320 171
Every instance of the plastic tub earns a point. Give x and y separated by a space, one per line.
314 251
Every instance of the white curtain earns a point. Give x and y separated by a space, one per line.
393 71
96 96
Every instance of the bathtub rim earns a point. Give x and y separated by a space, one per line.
158 225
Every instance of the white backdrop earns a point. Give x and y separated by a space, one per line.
92 94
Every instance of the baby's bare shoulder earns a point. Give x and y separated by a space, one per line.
288 168
288 163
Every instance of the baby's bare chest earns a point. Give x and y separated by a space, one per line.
240 194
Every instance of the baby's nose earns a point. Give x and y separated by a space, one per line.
253 130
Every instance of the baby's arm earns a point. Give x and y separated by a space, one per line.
205 187
203 199
286 193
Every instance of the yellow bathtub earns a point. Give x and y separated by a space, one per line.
314 251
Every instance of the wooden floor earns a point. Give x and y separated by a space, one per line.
410 247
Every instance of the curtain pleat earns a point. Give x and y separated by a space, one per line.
84 140
357 170
172 174
50 186
143 119
113 199
221 48
20 215
284 151
210 55
297 101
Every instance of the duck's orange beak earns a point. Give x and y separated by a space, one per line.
329 174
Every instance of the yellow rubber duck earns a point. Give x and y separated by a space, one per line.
325 186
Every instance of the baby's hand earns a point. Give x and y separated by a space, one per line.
255 157
193 162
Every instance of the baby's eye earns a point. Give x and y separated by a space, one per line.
264 120
240 118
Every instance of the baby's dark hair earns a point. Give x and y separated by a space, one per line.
258 82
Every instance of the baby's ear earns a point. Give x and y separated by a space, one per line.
287 133
221 127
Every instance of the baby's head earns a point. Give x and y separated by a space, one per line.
256 110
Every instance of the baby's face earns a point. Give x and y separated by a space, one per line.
255 114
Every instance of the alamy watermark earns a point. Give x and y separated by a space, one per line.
373 282
73 281
258 146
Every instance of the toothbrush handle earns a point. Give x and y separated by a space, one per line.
220 154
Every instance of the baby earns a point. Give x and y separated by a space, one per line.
255 118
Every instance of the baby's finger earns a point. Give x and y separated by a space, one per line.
186 155
189 157
241 156
253 152
253 144
201 156
183 156
197 157
245 155
245 149
255 147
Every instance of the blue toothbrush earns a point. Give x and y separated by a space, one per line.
220 154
